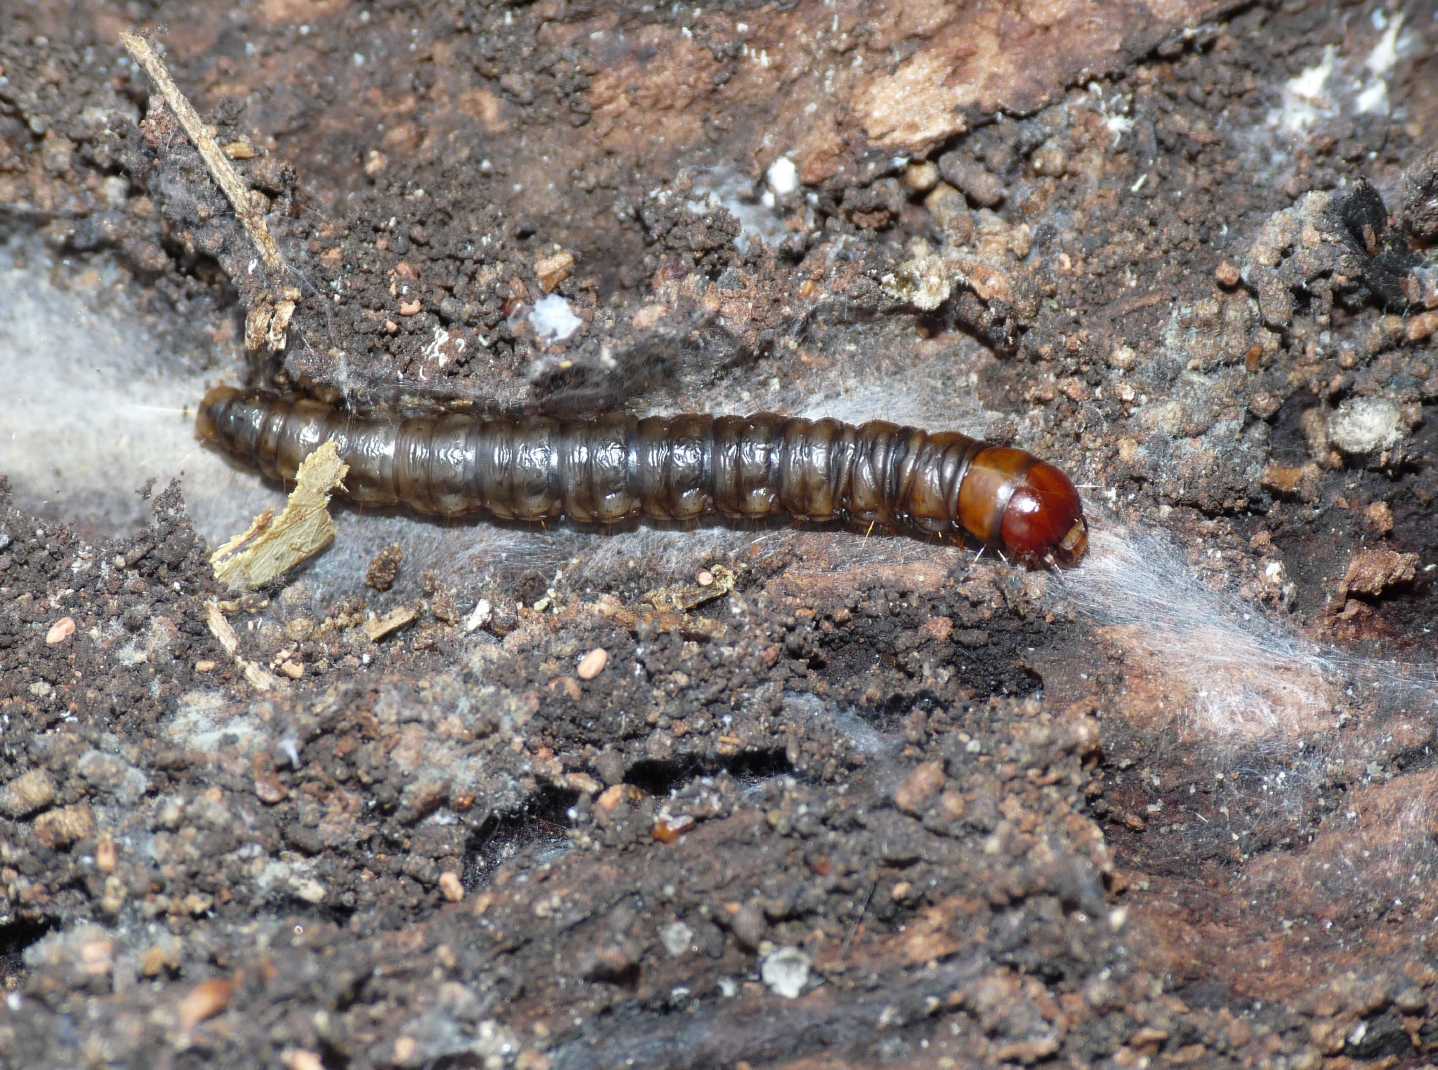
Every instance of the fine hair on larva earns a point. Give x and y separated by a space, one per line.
615 468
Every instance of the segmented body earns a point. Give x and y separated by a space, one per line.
613 468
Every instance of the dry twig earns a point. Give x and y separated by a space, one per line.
228 178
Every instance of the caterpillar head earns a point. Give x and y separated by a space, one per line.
1025 507
1043 518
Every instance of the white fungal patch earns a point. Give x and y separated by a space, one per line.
734 192
1380 63
202 719
441 347
1306 97
1118 121
1243 733
1365 425
1339 83
1217 664
552 318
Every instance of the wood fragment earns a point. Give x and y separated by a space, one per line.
553 270
641 618
378 627
257 324
224 633
275 336
215 159
220 628
682 597
271 546
257 677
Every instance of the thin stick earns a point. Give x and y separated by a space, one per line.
229 180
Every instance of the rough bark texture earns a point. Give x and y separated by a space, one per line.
879 803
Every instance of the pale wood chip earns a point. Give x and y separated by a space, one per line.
378 627
272 546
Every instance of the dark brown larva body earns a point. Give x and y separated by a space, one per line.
613 468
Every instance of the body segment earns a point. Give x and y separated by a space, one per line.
612 468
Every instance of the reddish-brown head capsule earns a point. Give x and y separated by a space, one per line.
1044 516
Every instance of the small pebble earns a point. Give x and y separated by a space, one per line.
951 213
619 795
160 957
383 569
59 829
921 177
1050 160
1379 516
61 630
553 270
677 938
310 890
205 1000
27 793
592 664
668 830
480 616
583 783
1420 327
747 923
922 784
270 790
969 176
786 970
97 957
450 886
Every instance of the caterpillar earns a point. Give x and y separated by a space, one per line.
608 469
